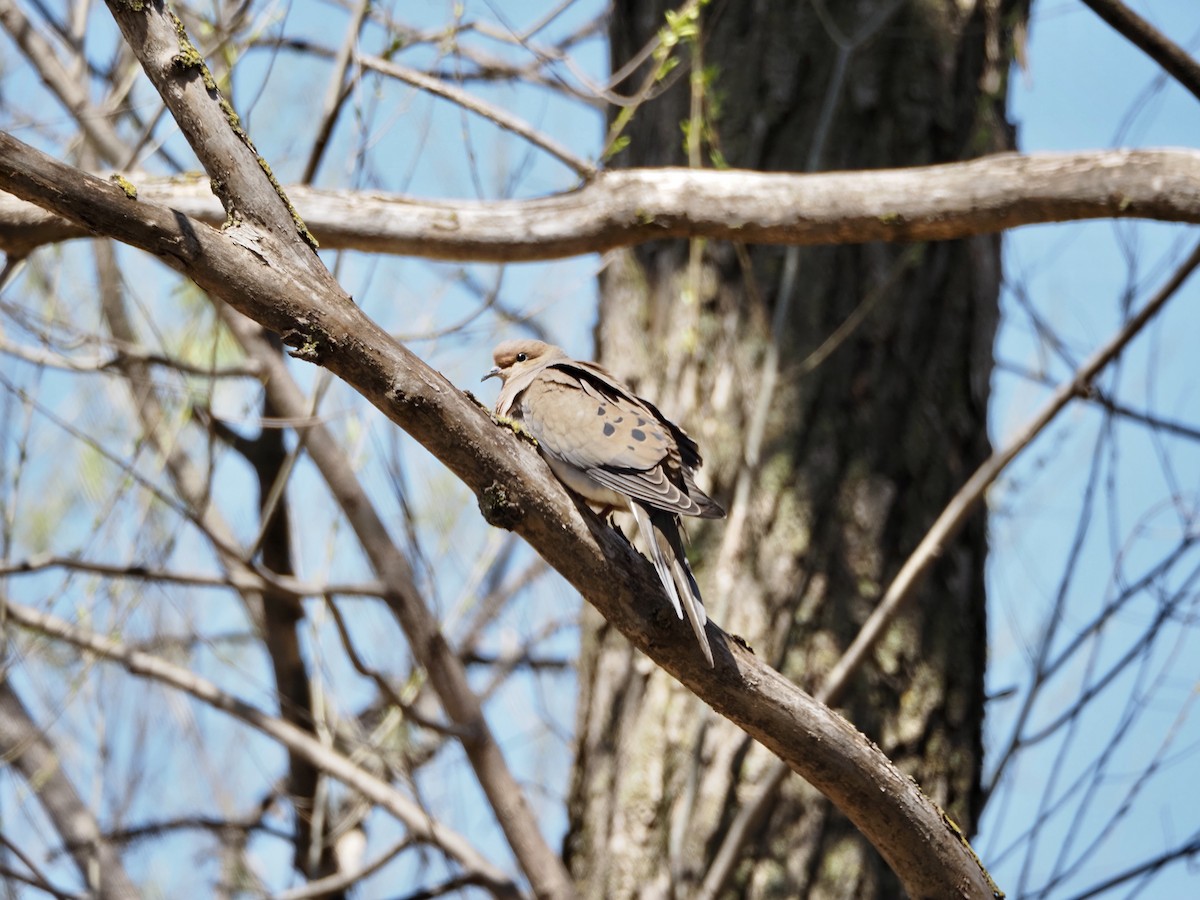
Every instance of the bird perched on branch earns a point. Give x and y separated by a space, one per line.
615 450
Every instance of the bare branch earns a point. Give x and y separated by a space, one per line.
1100 397
34 881
1174 60
1184 851
332 884
242 578
263 225
499 117
32 875
27 747
421 826
110 363
964 503
430 648
631 206
336 93
69 89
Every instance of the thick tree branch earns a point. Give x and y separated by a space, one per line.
631 206
517 491
210 125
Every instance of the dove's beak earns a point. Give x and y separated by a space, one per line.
493 372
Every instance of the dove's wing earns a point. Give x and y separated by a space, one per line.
613 437
614 449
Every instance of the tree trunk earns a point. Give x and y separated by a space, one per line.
844 464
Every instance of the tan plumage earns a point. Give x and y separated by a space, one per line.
614 449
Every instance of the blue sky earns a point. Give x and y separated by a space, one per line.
1085 88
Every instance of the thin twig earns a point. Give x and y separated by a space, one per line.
35 877
238 579
108 364
294 739
337 92
385 687
499 117
1102 398
340 883
957 511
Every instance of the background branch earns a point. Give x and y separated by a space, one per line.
294 739
1174 60
28 749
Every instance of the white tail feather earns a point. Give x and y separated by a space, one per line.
656 555
659 529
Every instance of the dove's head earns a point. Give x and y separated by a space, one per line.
514 357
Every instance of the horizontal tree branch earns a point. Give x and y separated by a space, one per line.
244 579
517 491
630 206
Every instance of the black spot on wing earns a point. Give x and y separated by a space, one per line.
609 429
638 434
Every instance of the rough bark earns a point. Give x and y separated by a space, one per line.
857 455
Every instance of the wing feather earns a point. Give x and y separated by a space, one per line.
583 418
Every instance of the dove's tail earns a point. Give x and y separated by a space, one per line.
667 525
675 574
645 526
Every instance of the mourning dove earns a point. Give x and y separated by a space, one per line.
615 450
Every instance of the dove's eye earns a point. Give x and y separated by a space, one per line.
521 357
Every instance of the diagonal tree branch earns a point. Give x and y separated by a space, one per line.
971 494
1175 61
68 88
499 117
911 575
631 206
337 92
517 491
